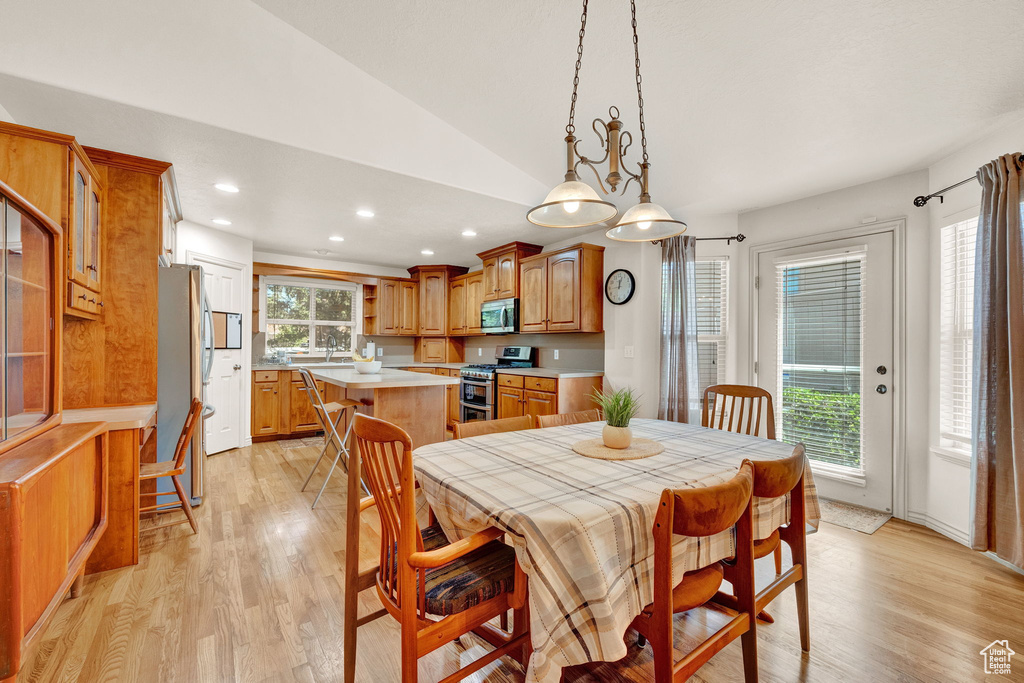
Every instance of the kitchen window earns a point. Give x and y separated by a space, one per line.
712 292
301 316
956 337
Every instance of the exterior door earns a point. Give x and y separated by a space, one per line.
564 292
224 288
825 350
533 300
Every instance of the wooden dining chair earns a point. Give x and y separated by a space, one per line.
721 412
464 430
773 479
329 415
173 468
561 419
700 512
437 590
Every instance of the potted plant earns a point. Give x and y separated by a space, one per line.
619 407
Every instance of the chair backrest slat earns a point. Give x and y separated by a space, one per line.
187 431
562 419
754 403
464 430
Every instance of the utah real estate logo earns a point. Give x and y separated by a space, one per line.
997 657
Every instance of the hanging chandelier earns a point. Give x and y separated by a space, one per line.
575 204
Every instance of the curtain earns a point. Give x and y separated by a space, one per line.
679 401
997 472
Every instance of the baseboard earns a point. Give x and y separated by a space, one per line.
946 530
247 442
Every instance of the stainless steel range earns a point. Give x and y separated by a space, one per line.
479 382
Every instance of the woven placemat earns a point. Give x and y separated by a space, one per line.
640 448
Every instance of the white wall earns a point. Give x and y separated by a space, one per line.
891 198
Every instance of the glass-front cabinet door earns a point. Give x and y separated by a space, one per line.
29 337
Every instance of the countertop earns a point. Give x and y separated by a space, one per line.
554 373
296 366
446 366
116 417
388 378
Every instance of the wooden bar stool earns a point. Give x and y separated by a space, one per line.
174 468
324 411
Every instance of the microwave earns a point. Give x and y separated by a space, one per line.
499 317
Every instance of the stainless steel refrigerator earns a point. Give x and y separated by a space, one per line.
185 360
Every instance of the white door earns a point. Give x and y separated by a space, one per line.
825 350
226 293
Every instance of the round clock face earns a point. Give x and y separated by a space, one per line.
619 286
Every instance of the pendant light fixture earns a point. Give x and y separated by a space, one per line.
574 204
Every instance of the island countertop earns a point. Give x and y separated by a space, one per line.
385 379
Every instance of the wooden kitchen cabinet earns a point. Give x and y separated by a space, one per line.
501 269
454 396
474 298
409 308
562 291
389 307
465 295
457 306
509 402
393 307
539 403
301 414
434 290
266 408
532 395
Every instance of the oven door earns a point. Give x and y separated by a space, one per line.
478 393
474 413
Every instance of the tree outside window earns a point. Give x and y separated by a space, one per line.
301 318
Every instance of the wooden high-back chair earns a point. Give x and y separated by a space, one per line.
773 479
700 512
721 411
579 417
481 427
174 468
437 590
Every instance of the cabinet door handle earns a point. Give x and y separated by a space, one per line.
99 303
82 297
91 267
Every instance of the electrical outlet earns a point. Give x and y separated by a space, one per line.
628 352
556 354
380 352
479 352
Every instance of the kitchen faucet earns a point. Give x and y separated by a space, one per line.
332 346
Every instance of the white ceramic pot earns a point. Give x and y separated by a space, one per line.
370 367
616 437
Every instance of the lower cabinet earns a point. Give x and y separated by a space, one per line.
528 395
280 405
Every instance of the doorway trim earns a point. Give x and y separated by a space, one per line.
195 258
898 228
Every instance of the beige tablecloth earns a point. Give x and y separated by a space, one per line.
582 527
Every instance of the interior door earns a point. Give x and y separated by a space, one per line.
224 289
825 349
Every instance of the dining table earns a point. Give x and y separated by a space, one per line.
582 527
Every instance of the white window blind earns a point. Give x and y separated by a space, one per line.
956 332
712 291
820 329
302 314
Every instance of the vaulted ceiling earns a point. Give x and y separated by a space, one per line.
443 116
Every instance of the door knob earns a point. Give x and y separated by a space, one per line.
881 388
238 367
881 370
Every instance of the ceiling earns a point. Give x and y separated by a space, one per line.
447 116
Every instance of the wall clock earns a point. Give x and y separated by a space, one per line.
619 286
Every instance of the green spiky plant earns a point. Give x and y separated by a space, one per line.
619 407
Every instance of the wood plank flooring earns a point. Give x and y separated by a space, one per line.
257 596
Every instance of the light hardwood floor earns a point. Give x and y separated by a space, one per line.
257 596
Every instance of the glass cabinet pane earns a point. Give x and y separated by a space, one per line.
28 306
94 237
80 185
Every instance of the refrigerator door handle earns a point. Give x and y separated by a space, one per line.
207 336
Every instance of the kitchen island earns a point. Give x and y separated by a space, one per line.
412 400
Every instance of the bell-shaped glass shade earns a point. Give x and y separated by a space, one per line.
645 222
573 204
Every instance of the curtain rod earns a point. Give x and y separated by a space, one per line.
923 199
728 240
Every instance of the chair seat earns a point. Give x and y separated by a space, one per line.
767 546
476 577
165 468
343 404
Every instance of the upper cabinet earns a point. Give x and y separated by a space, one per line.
391 308
465 294
501 269
29 344
561 291
433 300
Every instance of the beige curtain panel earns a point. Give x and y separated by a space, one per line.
998 400
679 398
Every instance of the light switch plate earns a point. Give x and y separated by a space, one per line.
479 352
628 351
556 354
380 352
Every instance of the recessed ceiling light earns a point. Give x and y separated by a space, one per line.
365 213
226 187
468 233
427 252
323 252
336 238
221 221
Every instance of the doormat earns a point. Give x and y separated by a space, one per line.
864 520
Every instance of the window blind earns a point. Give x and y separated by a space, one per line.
820 328
712 292
956 332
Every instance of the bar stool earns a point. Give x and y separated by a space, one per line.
324 413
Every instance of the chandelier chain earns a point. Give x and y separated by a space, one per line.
639 82
570 127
